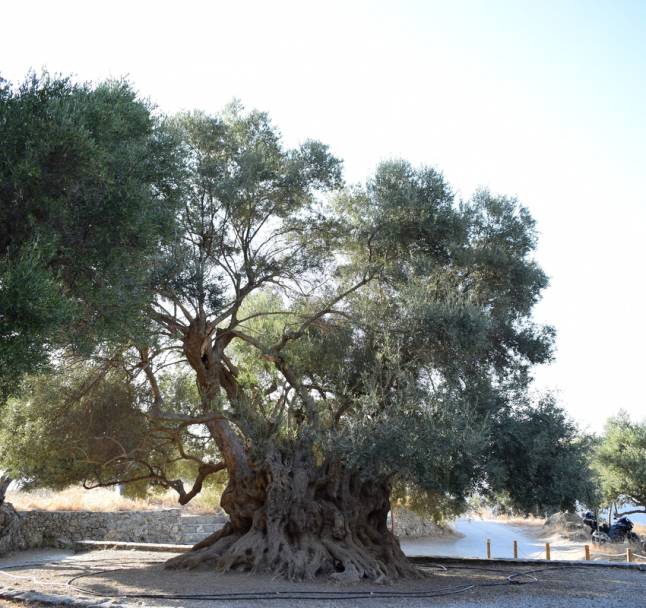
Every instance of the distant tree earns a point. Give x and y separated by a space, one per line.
540 462
88 190
620 460
339 341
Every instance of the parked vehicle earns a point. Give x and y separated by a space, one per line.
621 531
590 520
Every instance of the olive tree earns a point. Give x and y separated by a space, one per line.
340 340
620 460
540 461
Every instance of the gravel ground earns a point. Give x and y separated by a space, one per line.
110 574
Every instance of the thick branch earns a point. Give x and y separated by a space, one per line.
146 365
203 472
185 497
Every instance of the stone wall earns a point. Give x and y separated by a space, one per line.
11 536
35 529
411 525
62 528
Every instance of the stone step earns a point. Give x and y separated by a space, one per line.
203 519
89 545
192 539
193 533
185 525
200 529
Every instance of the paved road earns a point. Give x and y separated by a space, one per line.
477 531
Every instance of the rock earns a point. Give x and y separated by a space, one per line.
568 525
563 519
11 534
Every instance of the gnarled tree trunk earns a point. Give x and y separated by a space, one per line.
299 520
289 515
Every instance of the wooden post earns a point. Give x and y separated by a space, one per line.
547 551
488 548
515 549
587 552
629 554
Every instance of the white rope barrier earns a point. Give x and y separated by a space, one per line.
589 555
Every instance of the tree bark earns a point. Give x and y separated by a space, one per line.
288 514
4 485
299 520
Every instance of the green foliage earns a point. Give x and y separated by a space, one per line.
386 326
86 424
539 463
33 311
243 188
620 461
69 427
431 455
88 188
441 342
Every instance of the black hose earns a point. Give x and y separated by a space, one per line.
515 578
511 579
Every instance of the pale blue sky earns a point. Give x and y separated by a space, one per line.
542 100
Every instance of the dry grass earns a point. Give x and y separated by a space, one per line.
530 520
102 499
612 552
515 520
616 551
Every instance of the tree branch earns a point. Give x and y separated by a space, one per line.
287 335
642 510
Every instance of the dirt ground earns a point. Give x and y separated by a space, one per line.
138 578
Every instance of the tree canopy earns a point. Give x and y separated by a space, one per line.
251 313
88 189
620 461
541 462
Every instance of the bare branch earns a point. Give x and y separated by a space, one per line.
185 419
642 510
146 366
267 314
288 335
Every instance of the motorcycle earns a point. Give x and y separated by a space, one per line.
619 532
